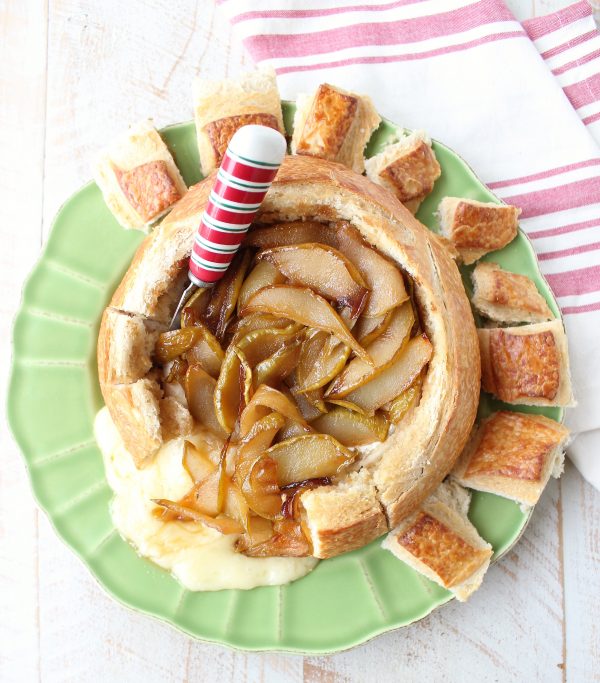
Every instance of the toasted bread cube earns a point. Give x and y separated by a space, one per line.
222 107
507 297
439 541
476 228
138 177
334 124
407 168
526 365
513 455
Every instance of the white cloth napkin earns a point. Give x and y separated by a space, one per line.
520 102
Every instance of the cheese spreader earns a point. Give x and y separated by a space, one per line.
249 166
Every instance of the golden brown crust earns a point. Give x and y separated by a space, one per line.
221 131
527 364
512 454
149 188
327 124
413 175
334 124
512 445
507 297
442 550
524 367
476 228
411 463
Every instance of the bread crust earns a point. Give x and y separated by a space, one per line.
125 346
507 297
406 468
138 177
513 455
477 228
527 365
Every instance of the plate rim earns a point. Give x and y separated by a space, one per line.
25 459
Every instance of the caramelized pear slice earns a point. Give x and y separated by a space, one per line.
291 428
233 388
255 321
351 428
314 397
278 366
199 392
174 343
368 329
255 443
265 400
195 308
311 402
395 378
204 497
206 351
255 474
382 351
398 407
225 294
223 524
262 275
347 317
177 371
307 457
196 463
324 270
287 540
261 488
322 358
258 531
236 506
381 276
260 344
306 307
285 234
344 403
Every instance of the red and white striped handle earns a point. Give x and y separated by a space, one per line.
250 164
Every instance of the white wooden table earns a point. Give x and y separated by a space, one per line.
72 74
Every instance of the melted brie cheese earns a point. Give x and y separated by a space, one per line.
202 559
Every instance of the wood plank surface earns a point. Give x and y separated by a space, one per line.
73 74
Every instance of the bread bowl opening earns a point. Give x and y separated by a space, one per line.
299 363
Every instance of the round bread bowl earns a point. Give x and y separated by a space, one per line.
414 459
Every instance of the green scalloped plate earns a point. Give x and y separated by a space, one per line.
54 396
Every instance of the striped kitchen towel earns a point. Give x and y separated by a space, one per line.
520 102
